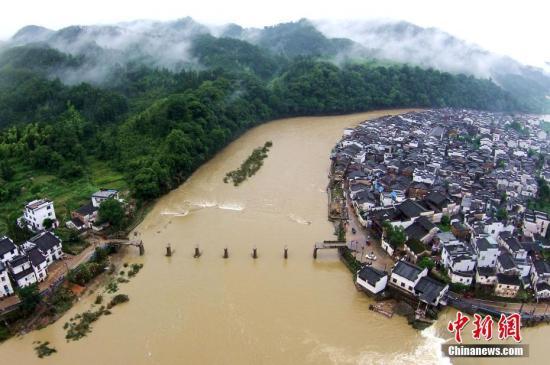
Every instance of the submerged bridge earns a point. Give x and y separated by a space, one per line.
326 245
127 242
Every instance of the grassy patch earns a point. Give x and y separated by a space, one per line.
66 194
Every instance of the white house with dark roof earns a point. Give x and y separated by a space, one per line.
405 276
83 217
102 195
487 251
36 212
38 263
506 264
430 291
49 244
507 285
422 229
371 279
460 260
5 283
535 222
540 279
486 275
22 272
8 250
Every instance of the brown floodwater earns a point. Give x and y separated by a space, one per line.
240 310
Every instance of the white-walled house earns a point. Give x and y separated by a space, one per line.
36 212
487 251
540 279
49 244
5 283
486 275
460 261
8 250
507 285
22 271
102 195
406 275
535 222
39 263
494 228
371 279
430 291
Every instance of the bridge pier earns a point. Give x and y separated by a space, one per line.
197 252
141 248
168 250
315 252
286 253
254 253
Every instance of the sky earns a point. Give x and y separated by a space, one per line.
520 29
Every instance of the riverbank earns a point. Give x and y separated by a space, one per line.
269 310
385 193
57 285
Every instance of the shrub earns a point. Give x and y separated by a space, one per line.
43 349
118 299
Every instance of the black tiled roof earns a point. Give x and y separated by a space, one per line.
371 275
23 273
428 289
46 241
508 280
18 260
410 209
483 244
486 271
6 245
87 209
407 270
35 256
542 267
506 261
543 286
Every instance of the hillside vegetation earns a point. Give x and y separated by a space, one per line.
146 129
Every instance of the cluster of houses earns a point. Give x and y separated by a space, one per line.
28 263
85 217
459 184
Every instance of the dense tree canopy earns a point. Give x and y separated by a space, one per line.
158 126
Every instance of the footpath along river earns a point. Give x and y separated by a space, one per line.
243 311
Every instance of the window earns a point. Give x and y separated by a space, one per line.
403 285
395 280
410 288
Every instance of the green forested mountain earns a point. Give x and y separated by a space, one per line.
155 125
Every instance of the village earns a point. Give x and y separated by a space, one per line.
41 259
442 206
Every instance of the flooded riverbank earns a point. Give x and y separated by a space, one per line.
244 311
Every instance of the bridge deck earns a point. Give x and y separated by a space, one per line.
322 245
